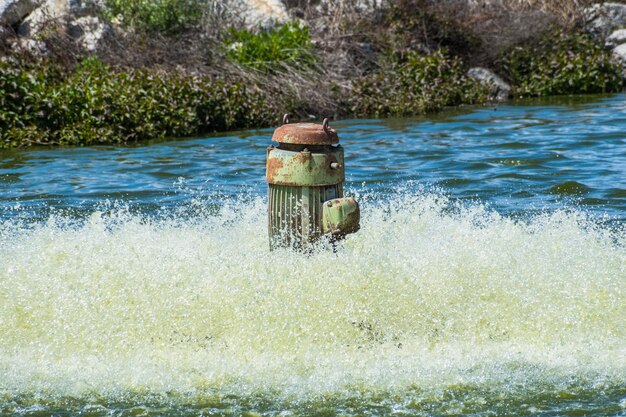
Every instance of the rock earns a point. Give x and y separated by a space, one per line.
499 90
619 53
604 18
89 31
618 37
50 10
264 13
13 11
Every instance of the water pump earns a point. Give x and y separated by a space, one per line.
305 173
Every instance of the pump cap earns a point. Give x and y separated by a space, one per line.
306 134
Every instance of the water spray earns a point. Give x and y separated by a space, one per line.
305 173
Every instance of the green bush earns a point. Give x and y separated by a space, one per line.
415 84
24 99
561 64
96 104
288 45
163 16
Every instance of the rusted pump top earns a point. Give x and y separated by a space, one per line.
305 133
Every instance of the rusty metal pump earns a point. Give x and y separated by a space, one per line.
305 173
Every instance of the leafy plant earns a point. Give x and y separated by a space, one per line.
163 16
562 64
97 104
267 50
415 84
24 97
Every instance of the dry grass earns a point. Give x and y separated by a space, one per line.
566 13
353 39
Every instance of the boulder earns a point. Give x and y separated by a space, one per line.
618 37
50 10
603 18
89 31
264 13
498 89
619 53
13 11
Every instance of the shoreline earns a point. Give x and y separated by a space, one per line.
115 94
559 101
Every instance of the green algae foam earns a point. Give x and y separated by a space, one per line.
432 308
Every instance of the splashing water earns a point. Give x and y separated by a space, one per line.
137 281
432 308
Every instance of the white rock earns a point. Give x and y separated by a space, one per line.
618 37
13 11
89 31
604 18
498 88
619 53
264 13
50 10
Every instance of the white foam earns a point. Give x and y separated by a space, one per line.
425 296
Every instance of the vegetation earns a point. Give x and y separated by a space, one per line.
562 64
273 49
95 105
185 67
162 16
415 84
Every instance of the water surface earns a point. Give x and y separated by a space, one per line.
489 276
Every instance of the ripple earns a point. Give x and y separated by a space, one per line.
513 145
616 193
569 188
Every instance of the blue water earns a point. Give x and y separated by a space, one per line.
488 277
515 158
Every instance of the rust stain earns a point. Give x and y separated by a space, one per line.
273 165
352 222
303 159
305 134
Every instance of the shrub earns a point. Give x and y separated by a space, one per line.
96 104
561 64
416 84
163 16
21 93
24 98
267 50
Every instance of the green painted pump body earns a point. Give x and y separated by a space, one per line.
305 173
